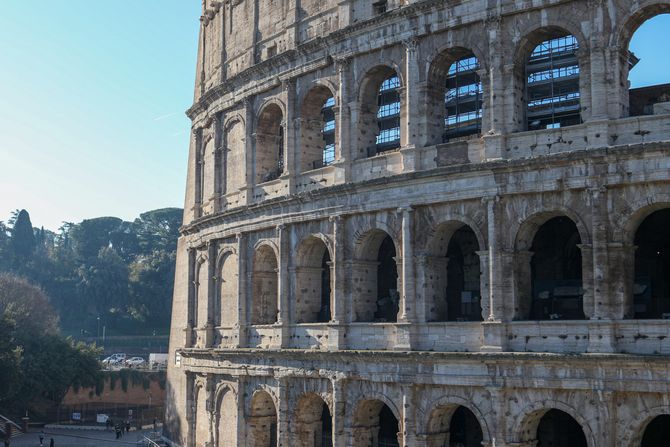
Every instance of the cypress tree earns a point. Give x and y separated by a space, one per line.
23 238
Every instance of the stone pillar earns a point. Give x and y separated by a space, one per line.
484 278
338 410
587 279
421 288
211 294
408 427
621 258
337 329
523 296
242 288
249 150
344 149
407 309
283 284
219 164
410 106
290 148
283 413
494 89
494 339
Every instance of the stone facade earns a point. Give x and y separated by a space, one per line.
359 267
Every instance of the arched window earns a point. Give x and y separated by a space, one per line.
454 425
375 425
269 144
558 428
556 272
312 423
657 432
328 132
264 306
652 267
312 282
648 65
388 115
262 421
463 99
552 84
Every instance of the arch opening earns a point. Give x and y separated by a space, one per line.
652 267
227 279
463 99
388 299
234 148
313 423
226 422
379 123
375 425
269 144
657 432
552 82
454 426
556 272
313 283
558 429
317 129
646 64
264 305
202 294
262 421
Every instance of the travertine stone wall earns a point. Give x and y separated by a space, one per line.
250 363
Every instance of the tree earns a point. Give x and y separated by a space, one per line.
10 359
23 237
104 283
89 236
26 306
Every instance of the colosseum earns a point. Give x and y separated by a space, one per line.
423 223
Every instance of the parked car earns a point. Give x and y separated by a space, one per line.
114 359
135 361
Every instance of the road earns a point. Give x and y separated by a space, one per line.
78 438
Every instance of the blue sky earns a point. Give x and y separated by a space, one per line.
92 101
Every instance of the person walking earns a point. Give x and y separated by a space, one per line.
127 426
41 438
52 443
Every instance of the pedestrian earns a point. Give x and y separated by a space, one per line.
41 438
52 443
127 426
155 424
117 430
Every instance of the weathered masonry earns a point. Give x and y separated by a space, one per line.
423 223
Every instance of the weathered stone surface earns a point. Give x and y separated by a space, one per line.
281 317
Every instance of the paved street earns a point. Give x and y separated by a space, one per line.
78 438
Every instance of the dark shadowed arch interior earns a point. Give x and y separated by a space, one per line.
387 282
556 272
652 267
454 426
375 425
558 429
312 282
312 423
463 277
317 129
657 433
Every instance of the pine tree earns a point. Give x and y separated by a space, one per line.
23 238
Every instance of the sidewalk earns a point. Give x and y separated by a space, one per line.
78 438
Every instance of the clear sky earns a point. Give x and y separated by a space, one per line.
92 101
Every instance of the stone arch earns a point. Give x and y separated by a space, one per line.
375 270
226 416
262 420
524 428
318 125
201 412
628 25
567 295
270 142
438 84
453 273
369 123
637 212
433 413
227 287
313 280
367 424
534 36
312 423
234 146
635 430
202 305
264 284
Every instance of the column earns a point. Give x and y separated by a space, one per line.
601 330
407 436
410 106
493 327
406 328
495 96
283 413
283 284
337 329
344 148
210 337
219 164
339 433
190 317
290 148
249 150
242 287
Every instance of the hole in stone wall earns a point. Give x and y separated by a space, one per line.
657 432
558 429
652 267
